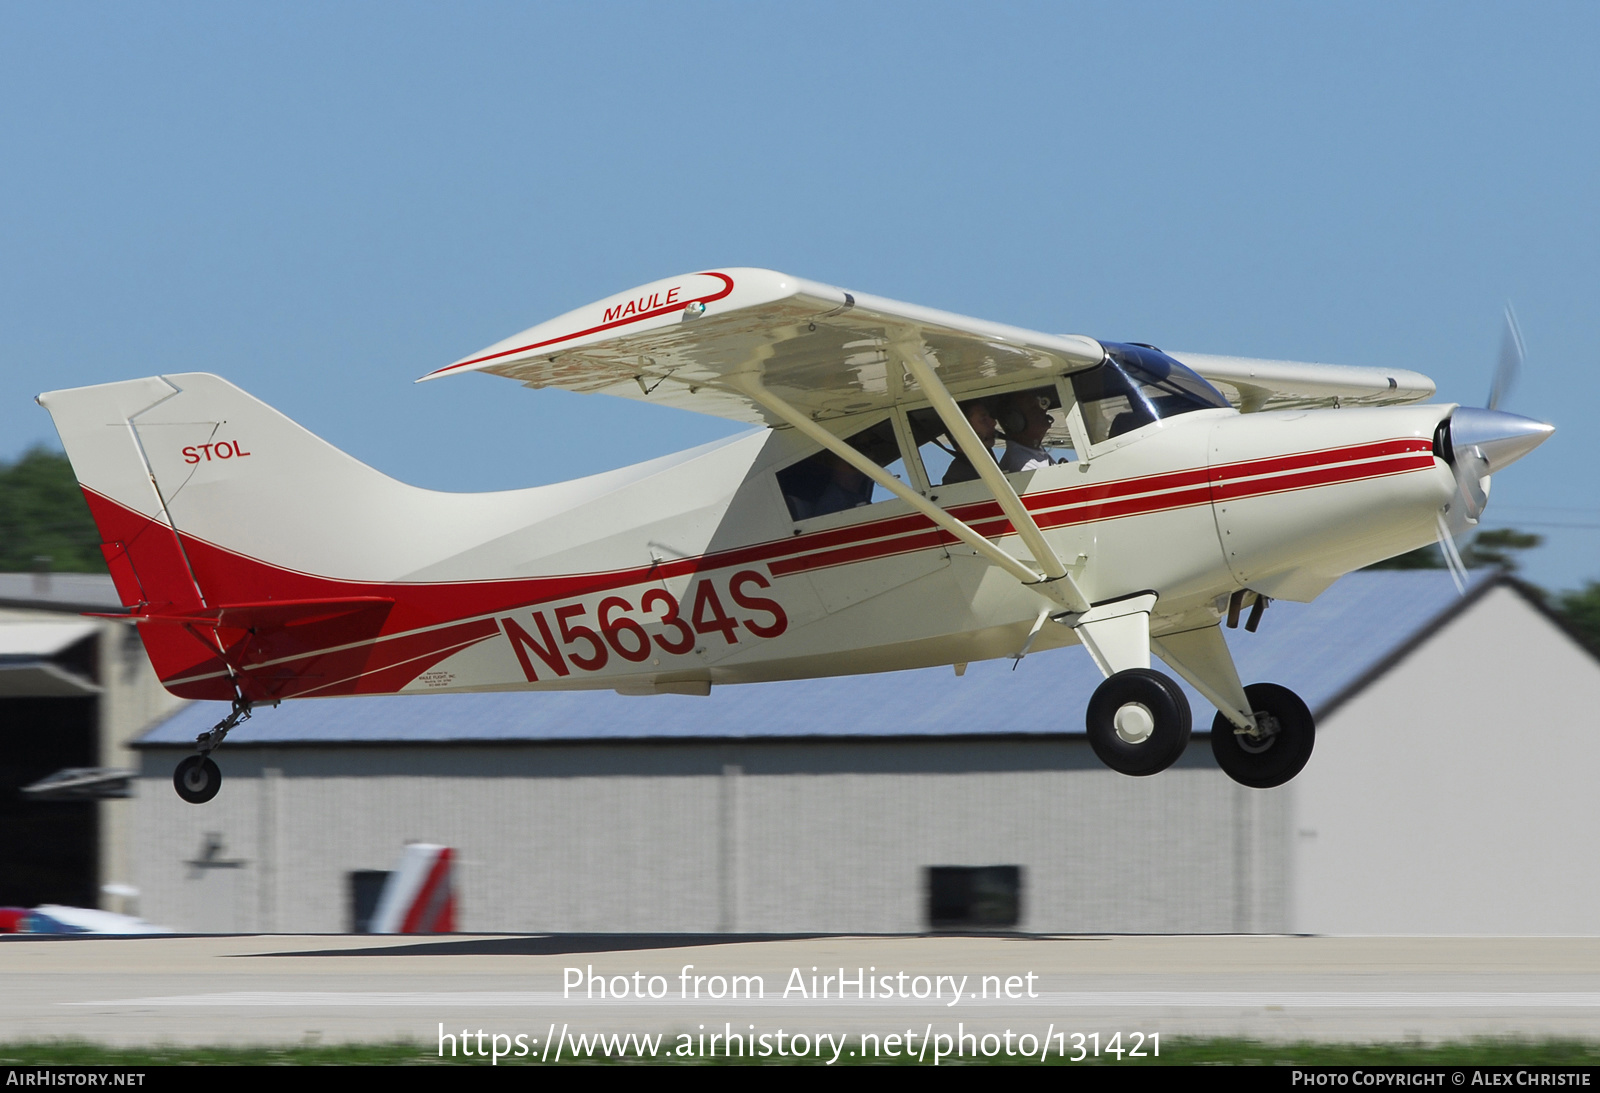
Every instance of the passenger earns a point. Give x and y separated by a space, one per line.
847 487
1026 418
981 417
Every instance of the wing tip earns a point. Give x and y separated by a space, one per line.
437 373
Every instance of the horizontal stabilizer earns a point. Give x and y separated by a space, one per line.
272 613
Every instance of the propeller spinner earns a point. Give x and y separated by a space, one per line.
1476 443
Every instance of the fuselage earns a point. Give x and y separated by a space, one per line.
690 571
1192 508
260 561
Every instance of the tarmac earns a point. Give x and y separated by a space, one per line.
913 995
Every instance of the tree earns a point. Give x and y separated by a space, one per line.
1497 547
1581 610
44 520
1490 547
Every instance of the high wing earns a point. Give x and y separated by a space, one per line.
1252 384
702 341
698 342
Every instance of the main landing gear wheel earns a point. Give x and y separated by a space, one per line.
197 779
1280 752
1138 722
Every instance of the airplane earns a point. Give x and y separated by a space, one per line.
869 522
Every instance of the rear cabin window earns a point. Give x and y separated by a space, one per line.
824 483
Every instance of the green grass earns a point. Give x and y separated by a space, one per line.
1176 1052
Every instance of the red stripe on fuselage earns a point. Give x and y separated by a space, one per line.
231 577
424 612
1106 507
1325 476
1278 464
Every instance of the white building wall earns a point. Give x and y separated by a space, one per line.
1456 795
131 701
776 837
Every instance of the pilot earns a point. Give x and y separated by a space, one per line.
981 417
1025 418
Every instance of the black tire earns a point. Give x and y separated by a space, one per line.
1277 759
197 779
1168 709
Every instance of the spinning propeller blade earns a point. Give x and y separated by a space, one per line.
1480 442
1452 556
1509 367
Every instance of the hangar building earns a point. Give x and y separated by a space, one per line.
73 692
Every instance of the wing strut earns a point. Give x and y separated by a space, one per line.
1056 577
1056 591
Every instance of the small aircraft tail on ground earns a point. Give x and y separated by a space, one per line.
419 896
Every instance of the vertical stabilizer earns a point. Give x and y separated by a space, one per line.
201 494
97 427
260 561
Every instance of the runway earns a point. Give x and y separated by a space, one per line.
902 994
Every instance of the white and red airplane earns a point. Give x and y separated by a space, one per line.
872 522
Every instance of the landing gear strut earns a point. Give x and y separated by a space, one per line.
198 778
1280 747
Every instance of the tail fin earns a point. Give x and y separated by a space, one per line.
195 455
136 534
233 532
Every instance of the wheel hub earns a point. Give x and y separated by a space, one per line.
1264 737
1134 722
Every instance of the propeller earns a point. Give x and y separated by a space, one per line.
1509 366
1477 443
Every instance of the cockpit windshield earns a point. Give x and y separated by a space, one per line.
1135 386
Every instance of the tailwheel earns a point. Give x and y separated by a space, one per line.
1281 748
1138 722
197 779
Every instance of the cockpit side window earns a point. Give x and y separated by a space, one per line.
1026 429
1135 386
824 483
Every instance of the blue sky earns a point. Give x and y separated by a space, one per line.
321 202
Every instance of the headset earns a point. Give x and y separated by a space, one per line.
1009 416
1011 420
